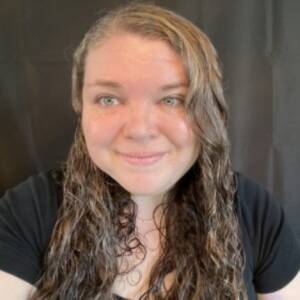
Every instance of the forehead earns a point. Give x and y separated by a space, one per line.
126 56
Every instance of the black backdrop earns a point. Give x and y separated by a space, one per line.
259 46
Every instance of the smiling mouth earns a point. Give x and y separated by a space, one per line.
142 159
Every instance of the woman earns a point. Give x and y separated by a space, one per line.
147 205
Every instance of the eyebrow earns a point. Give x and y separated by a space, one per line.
175 85
105 83
116 85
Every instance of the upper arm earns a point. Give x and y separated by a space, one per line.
290 292
27 216
14 288
273 254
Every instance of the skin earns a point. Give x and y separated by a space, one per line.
290 292
142 122
133 106
136 127
14 288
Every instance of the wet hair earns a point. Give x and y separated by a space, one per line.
96 224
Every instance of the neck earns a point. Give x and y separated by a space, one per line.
146 206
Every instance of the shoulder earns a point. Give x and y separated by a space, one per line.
37 196
250 194
255 205
270 241
27 217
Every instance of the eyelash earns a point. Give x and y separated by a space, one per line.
178 101
102 98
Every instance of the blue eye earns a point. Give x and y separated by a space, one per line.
108 101
172 101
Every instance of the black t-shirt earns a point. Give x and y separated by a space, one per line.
28 214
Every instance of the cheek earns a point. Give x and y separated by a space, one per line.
98 131
180 132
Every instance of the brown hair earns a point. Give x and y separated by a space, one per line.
199 212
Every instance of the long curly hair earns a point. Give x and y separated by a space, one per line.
96 222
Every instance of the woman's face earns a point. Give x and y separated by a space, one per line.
133 115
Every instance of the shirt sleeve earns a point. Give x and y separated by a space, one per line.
275 248
26 220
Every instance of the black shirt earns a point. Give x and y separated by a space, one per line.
28 214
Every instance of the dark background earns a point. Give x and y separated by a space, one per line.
259 45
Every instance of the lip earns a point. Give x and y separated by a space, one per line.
142 159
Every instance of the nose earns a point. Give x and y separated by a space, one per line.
140 123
